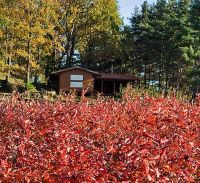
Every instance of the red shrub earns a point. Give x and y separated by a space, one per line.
140 140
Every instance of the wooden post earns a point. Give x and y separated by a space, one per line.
114 87
102 86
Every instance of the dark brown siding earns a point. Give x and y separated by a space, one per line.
64 80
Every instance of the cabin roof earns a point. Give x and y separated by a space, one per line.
73 68
115 76
101 76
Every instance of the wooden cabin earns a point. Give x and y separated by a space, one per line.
77 78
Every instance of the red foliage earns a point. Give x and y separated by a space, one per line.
140 140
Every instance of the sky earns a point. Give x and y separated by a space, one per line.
127 7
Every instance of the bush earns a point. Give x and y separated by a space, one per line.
30 87
137 139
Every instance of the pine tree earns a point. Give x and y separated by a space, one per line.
194 70
163 42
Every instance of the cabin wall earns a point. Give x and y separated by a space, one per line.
64 80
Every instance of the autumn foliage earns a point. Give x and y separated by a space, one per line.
135 139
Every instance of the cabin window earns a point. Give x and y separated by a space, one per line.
76 84
76 77
76 81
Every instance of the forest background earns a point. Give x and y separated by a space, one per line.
161 45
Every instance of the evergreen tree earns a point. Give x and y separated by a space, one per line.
194 69
140 29
165 41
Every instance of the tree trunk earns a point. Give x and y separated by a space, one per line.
10 59
36 71
55 57
71 53
69 48
9 67
28 65
159 78
160 71
166 79
67 51
145 75
6 47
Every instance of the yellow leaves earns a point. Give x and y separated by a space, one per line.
1 34
16 67
34 65
74 10
4 67
22 53
105 14
2 64
48 24
39 40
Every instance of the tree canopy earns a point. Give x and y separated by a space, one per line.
165 43
39 36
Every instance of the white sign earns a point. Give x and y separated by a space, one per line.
76 84
76 77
